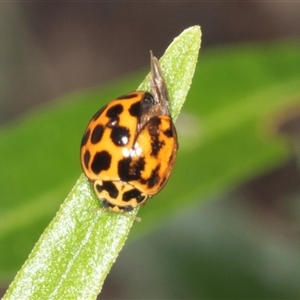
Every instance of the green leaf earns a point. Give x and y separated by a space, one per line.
78 248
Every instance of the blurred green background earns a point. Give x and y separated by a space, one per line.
227 224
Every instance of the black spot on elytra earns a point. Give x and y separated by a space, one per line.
133 194
114 111
98 113
153 179
101 162
168 133
112 122
109 187
113 115
129 169
97 134
127 96
120 135
140 198
153 129
134 109
86 158
156 145
85 138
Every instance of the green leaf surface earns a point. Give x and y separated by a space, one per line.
78 248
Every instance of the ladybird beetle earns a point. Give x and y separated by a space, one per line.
129 147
